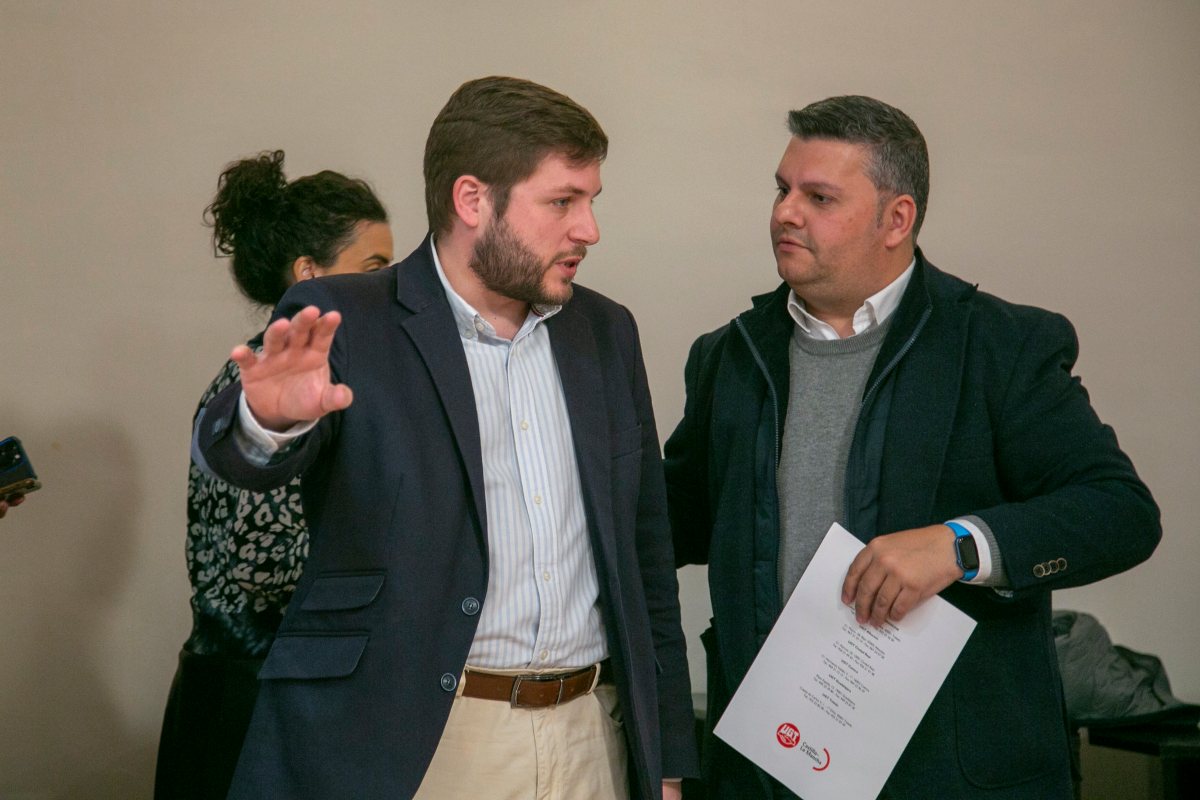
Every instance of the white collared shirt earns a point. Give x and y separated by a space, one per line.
872 313
542 605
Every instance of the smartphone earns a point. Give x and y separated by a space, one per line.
16 470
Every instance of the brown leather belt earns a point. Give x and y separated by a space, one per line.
536 691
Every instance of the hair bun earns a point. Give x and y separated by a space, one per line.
251 195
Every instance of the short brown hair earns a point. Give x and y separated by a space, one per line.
499 129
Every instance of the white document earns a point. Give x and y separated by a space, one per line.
829 705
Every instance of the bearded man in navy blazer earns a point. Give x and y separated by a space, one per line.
489 608
939 424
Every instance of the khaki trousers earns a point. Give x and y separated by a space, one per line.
493 751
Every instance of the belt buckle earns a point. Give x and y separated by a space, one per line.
520 679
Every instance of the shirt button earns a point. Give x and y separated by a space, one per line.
546 575
468 333
524 425
470 606
545 654
448 682
479 325
537 499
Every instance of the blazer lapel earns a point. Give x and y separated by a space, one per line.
432 331
578 360
928 382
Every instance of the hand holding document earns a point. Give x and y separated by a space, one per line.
829 705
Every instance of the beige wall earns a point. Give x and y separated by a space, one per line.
1063 138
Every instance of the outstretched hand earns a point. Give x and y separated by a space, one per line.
288 381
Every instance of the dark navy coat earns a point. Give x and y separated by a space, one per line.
970 408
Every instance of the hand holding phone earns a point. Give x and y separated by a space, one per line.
17 477
13 500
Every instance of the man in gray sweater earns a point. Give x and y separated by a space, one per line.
939 424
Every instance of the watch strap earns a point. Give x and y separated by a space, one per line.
961 533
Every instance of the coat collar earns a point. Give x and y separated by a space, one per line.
417 284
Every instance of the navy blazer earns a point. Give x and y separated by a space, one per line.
970 408
358 685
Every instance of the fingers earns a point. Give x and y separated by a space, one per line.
872 601
295 332
243 356
857 567
891 603
336 397
323 329
275 337
896 572
906 601
309 330
11 501
862 586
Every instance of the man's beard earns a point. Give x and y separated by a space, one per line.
509 268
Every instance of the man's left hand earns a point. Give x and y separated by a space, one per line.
672 790
895 572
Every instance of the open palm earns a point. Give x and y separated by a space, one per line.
288 381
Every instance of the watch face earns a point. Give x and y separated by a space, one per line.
968 555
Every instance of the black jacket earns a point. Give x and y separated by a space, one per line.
970 408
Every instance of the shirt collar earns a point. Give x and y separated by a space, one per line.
871 314
470 323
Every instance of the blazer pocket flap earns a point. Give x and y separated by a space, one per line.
342 592
627 441
303 656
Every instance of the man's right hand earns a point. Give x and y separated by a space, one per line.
287 382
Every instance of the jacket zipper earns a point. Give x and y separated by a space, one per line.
770 385
895 360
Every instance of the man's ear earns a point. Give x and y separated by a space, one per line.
304 268
472 203
899 216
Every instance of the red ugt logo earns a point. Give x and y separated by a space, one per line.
788 735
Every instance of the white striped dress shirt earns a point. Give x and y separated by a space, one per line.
541 608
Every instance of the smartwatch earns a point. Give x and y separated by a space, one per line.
966 553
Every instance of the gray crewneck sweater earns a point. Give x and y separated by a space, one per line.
826 387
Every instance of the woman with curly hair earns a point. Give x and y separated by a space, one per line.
245 550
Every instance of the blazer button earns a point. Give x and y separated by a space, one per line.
1039 570
449 682
470 606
